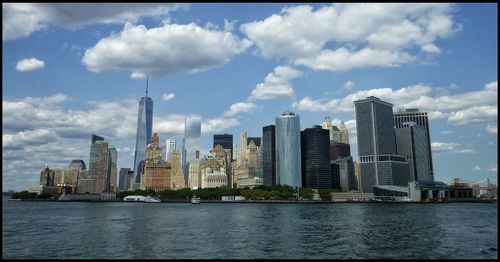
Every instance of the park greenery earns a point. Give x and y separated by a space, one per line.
25 195
276 192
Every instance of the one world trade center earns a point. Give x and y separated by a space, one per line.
144 133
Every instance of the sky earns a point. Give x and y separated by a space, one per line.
72 70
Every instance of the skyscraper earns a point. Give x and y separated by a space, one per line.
243 149
191 143
112 170
170 147
411 141
288 169
157 172
379 164
421 119
99 163
346 173
144 132
122 178
344 134
269 155
224 140
256 140
315 150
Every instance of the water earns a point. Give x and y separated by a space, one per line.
229 230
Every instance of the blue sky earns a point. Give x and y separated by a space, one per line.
70 70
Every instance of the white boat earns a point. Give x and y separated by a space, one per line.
134 198
152 200
195 200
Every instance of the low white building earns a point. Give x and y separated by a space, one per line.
212 178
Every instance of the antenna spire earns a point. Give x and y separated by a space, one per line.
147 83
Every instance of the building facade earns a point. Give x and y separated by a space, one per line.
100 162
224 140
421 119
268 150
112 170
123 184
346 173
191 143
344 134
170 147
315 157
379 164
411 141
288 171
143 135
339 149
157 172
177 177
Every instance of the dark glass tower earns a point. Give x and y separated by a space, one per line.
144 132
224 140
268 153
315 156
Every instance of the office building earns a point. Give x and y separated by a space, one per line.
99 164
224 140
339 149
346 173
344 134
123 184
421 119
315 157
190 143
177 176
170 147
112 170
256 140
143 135
288 154
379 164
77 164
411 142
268 150
157 172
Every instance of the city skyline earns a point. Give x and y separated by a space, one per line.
75 86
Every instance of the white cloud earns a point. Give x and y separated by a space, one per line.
29 64
447 132
381 38
170 48
276 84
218 124
168 97
475 114
137 75
476 168
349 85
22 19
23 138
240 107
492 128
453 148
492 168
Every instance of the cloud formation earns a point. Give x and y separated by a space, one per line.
384 37
29 64
240 107
22 19
276 84
163 50
168 97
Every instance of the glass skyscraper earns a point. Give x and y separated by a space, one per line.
144 133
191 143
288 171
224 140
268 150
379 164
315 149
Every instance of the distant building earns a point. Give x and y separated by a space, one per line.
346 173
191 144
427 190
288 154
177 177
379 163
421 119
112 170
157 172
344 134
77 164
315 157
268 150
338 149
256 140
335 175
194 175
224 140
411 141
47 177
143 134
124 179
356 174
170 146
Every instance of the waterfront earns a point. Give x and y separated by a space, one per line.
234 230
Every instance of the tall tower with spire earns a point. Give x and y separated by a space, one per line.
144 133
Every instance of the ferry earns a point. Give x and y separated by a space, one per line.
134 198
152 200
195 200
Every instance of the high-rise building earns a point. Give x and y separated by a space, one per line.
411 141
256 140
77 164
379 164
191 143
157 172
344 134
334 132
170 147
421 119
123 184
99 163
315 150
243 149
346 173
177 177
269 155
288 154
356 175
224 140
338 149
112 170
143 135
